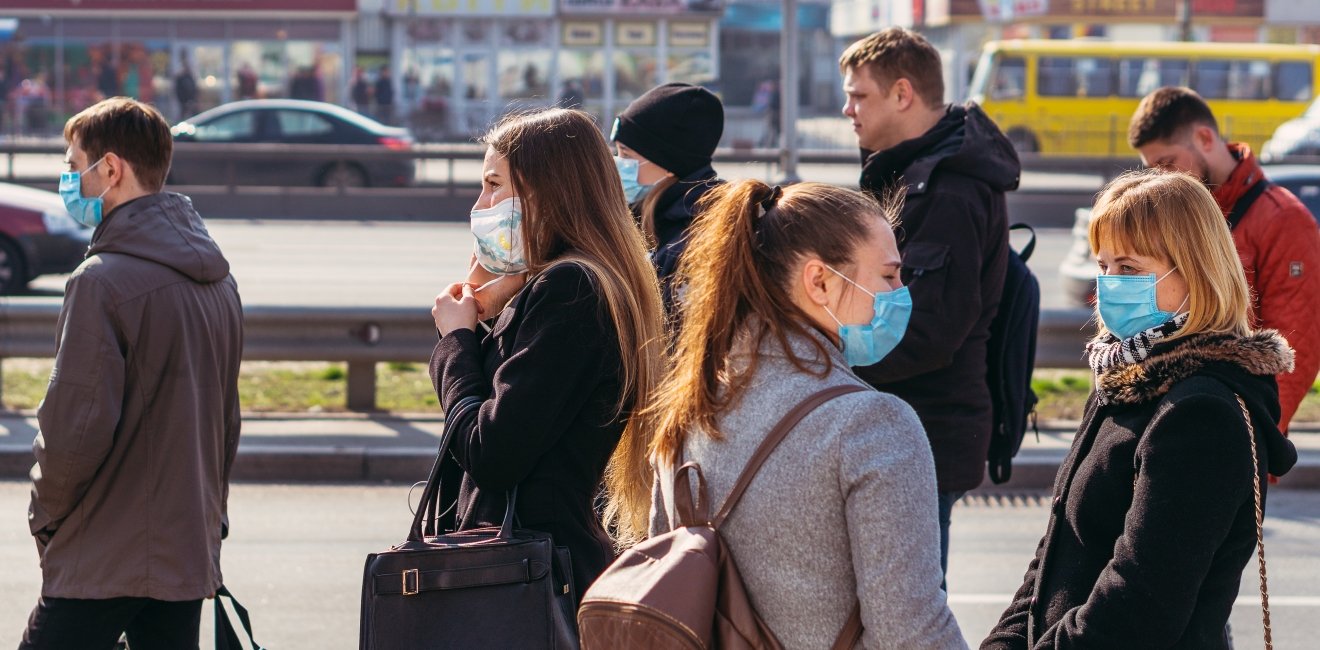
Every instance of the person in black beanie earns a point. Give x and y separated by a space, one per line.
665 140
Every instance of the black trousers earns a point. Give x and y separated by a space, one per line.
76 624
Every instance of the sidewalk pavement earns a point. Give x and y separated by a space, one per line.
347 448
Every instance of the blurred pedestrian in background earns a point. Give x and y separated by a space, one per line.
665 140
360 91
140 423
247 82
954 165
185 88
787 289
1276 236
383 92
1154 512
543 399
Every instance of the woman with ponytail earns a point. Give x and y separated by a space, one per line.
541 397
786 290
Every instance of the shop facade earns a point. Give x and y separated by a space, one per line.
463 64
62 56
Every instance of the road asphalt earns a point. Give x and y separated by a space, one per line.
342 448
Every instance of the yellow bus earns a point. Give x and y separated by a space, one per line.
1074 98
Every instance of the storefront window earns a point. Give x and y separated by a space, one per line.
635 73
586 68
524 74
694 67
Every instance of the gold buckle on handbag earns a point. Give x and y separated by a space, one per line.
416 583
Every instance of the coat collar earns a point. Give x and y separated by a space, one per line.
1262 353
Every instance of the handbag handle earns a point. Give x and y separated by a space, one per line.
1260 529
426 519
686 512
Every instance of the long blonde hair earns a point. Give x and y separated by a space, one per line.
1172 217
574 210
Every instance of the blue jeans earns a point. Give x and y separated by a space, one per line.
947 499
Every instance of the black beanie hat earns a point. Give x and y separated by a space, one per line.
676 126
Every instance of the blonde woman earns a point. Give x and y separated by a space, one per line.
543 400
1154 511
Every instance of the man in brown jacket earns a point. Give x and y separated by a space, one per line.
141 418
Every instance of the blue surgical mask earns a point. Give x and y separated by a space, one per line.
84 210
633 190
1127 303
867 345
498 231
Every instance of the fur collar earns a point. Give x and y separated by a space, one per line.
1262 353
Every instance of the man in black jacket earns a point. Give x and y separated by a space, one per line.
954 165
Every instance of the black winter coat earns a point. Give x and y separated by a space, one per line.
674 211
953 237
548 377
1153 515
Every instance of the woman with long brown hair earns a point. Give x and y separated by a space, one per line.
543 400
786 290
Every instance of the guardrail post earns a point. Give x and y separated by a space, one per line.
361 385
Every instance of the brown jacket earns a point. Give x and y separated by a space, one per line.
141 418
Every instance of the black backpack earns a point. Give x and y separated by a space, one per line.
1011 359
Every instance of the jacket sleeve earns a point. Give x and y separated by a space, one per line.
1193 481
945 262
1288 287
233 429
561 350
80 412
1010 633
887 480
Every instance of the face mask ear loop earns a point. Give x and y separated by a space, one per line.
836 318
1161 278
849 281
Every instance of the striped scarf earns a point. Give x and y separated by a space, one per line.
1106 352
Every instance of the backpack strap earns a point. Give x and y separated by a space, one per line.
1244 202
851 634
772 440
1030 246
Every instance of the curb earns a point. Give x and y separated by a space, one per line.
1033 469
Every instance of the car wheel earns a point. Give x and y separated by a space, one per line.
13 272
1024 141
343 175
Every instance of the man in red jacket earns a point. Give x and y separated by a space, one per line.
1276 236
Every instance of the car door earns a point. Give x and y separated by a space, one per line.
301 127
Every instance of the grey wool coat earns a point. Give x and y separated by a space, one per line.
843 510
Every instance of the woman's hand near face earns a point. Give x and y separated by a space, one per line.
492 291
455 308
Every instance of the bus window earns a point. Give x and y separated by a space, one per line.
1292 81
1055 77
1010 79
1096 77
1218 79
1140 77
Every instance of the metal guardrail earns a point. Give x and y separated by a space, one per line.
451 153
365 337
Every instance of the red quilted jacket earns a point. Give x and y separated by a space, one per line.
1279 244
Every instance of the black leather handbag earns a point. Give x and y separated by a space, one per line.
489 587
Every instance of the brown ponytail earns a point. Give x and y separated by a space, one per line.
746 244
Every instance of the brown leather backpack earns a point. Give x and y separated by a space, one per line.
682 589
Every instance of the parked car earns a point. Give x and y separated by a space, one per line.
37 236
290 121
1297 137
1078 270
